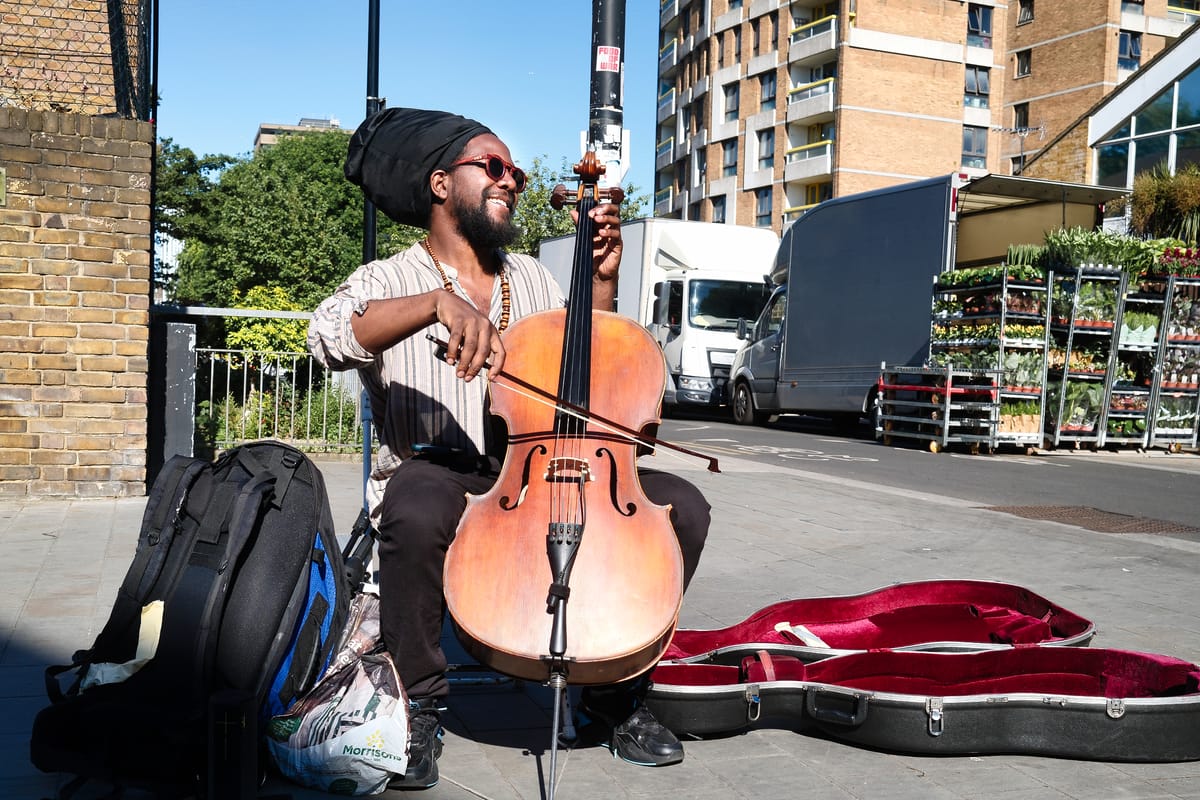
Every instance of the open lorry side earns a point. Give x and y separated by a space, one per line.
855 277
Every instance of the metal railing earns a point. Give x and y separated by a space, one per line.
242 395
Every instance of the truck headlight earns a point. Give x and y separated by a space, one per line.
695 384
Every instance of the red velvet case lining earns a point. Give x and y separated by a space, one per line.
899 616
1070 671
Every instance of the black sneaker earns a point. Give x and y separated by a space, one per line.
639 738
424 745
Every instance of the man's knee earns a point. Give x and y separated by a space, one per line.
420 505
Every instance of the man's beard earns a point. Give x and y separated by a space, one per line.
483 232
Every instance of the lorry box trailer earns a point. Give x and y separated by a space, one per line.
854 279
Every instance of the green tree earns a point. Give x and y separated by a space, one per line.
285 218
277 335
538 220
183 188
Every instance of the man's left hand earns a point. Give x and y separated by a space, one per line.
606 244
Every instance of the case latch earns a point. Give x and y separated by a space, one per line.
753 703
933 709
1115 707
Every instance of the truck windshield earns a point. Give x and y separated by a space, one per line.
717 305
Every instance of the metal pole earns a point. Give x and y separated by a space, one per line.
605 133
374 103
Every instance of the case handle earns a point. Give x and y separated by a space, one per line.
836 707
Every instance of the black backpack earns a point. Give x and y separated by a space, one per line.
243 553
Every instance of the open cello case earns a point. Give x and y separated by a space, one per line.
948 667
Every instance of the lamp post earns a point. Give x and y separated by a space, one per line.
374 104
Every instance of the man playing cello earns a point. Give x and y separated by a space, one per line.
437 444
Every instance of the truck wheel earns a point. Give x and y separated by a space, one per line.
744 412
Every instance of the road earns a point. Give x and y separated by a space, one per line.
1152 486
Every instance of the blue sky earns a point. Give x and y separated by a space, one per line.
521 68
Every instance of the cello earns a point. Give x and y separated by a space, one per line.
565 571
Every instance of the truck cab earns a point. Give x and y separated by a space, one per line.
757 362
694 319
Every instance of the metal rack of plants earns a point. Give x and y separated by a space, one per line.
1134 363
1175 400
1080 360
938 405
997 318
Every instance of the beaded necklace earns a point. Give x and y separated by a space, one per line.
505 291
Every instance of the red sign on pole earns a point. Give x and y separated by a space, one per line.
608 59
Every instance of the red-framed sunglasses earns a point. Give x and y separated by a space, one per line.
495 166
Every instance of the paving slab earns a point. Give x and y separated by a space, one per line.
777 534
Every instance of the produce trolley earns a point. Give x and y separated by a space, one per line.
941 406
1175 401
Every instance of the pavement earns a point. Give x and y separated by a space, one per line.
777 534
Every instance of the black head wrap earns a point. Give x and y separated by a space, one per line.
393 153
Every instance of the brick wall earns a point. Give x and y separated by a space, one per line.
75 244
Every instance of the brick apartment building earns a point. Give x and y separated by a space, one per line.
767 107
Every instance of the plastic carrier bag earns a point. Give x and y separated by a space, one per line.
349 734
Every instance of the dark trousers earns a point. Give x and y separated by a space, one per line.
421 509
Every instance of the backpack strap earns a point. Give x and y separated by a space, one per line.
197 606
281 460
159 525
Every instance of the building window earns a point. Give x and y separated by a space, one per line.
701 165
729 150
818 193
974 147
720 49
757 36
1129 54
1018 164
975 91
737 44
1024 63
1134 7
732 95
766 91
766 149
979 26
1025 12
1021 116
735 4
718 206
762 207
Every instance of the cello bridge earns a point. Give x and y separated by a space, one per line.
568 470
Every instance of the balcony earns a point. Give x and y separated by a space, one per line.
793 213
810 100
1187 11
696 90
668 58
664 153
812 40
809 161
666 105
662 201
667 11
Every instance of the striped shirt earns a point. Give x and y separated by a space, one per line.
416 398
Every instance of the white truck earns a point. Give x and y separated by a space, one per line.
688 283
854 285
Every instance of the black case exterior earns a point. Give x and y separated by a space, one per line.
1036 699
